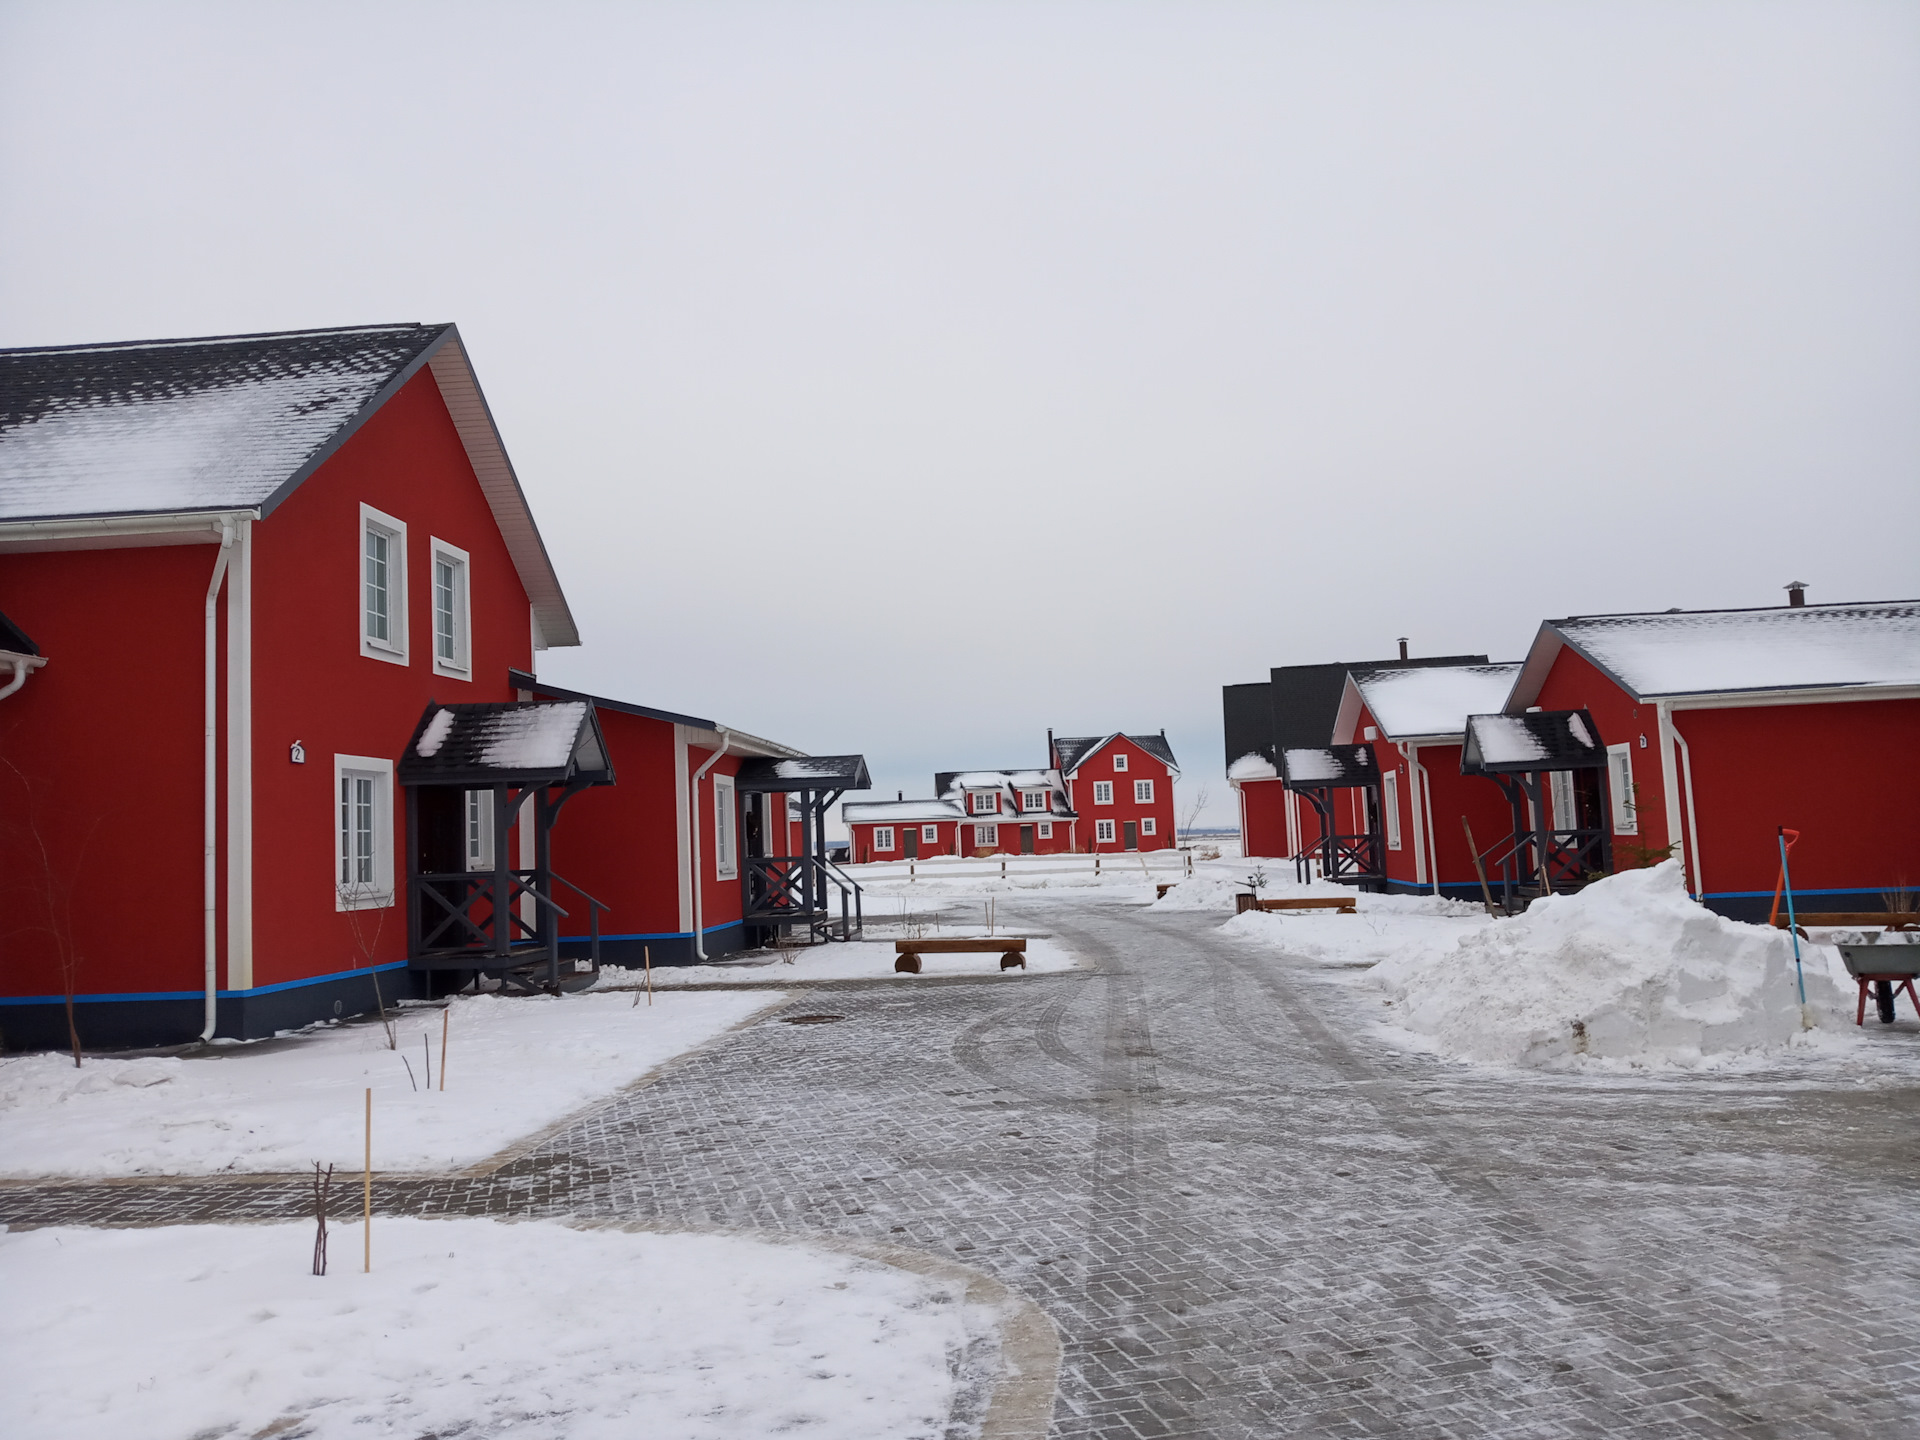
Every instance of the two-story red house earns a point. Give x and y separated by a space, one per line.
1121 787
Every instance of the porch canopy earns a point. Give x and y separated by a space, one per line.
1315 772
786 890
1537 740
468 772
773 775
1561 838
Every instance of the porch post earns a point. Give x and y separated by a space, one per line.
502 874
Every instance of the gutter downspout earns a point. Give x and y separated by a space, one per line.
693 814
1412 752
1693 826
1670 785
210 896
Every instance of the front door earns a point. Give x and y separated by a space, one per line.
1133 835
1026 839
911 839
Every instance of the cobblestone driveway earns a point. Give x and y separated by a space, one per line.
1247 1221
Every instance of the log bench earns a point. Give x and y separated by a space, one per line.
1339 904
1012 950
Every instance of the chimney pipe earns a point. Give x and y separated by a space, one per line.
899 794
1403 647
1796 594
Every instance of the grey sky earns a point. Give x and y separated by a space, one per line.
909 378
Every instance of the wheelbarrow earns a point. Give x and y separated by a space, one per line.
1887 963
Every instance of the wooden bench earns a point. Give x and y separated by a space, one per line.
1339 904
1160 891
1012 950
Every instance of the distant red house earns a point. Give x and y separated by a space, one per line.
902 829
1121 787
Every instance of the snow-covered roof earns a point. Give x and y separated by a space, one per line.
899 812
1073 751
956 785
236 423
1718 652
1329 765
1252 766
1536 740
1409 704
774 775
505 742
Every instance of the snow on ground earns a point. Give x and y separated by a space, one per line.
514 1067
870 959
469 1327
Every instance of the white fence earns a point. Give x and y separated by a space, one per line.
1156 865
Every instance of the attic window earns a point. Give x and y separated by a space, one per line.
1119 761
986 803
1034 799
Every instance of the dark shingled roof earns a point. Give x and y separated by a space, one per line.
1537 740
506 742
13 638
1295 707
1073 749
1329 767
771 775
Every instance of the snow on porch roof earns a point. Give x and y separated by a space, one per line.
1537 740
506 742
771 775
238 422
1706 652
1332 766
1431 701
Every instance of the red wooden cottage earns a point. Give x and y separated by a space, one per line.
902 829
1121 788
1720 726
1010 812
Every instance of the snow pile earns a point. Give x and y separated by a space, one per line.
1425 927
1629 972
471 1327
514 1067
1211 889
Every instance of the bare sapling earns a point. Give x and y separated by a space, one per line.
427 1058
322 1190
366 939
1200 799
45 883
410 1080
366 1192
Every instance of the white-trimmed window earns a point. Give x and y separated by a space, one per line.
929 834
1045 829
478 829
1390 801
986 803
986 835
452 612
363 832
1626 818
1119 762
383 586
726 861
1566 814
1103 792
883 837
1147 826
1103 832
1033 799
1143 792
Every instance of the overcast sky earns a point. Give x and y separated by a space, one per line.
910 378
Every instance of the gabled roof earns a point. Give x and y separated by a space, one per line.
1074 751
1727 652
1296 705
1333 767
1535 740
774 774
1429 703
900 812
955 785
506 742
237 423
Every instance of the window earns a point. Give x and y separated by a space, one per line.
452 644
1103 792
1034 800
1143 792
1119 762
1626 815
1103 832
1566 813
1390 798
929 834
1046 829
986 804
986 835
1147 826
725 863
363 823
479 830
883 837
383 586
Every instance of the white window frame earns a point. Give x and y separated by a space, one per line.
1119 762
985 835
1032 800
726 840
476 829
1147 825
1103 792
883 837
986 802
375 892
1143 792
460 666
1044 830
1626 815
1390 802
1103 832
929 834
393 649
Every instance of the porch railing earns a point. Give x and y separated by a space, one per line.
803 890
456 918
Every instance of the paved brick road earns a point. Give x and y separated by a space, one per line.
1249 1222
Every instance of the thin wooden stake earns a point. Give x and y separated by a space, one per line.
444 1015
366 1191
1478 868
646 955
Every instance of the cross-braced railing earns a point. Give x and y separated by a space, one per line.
457 916
803 890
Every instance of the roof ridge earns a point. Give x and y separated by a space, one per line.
166 342
1736 610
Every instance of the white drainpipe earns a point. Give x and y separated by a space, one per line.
1423 812
212 834
23 666
693 860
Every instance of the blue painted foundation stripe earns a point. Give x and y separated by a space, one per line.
657 934
198 994
1797 890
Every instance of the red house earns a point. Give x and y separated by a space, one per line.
1120 787
1010 812
1720 726
902 829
